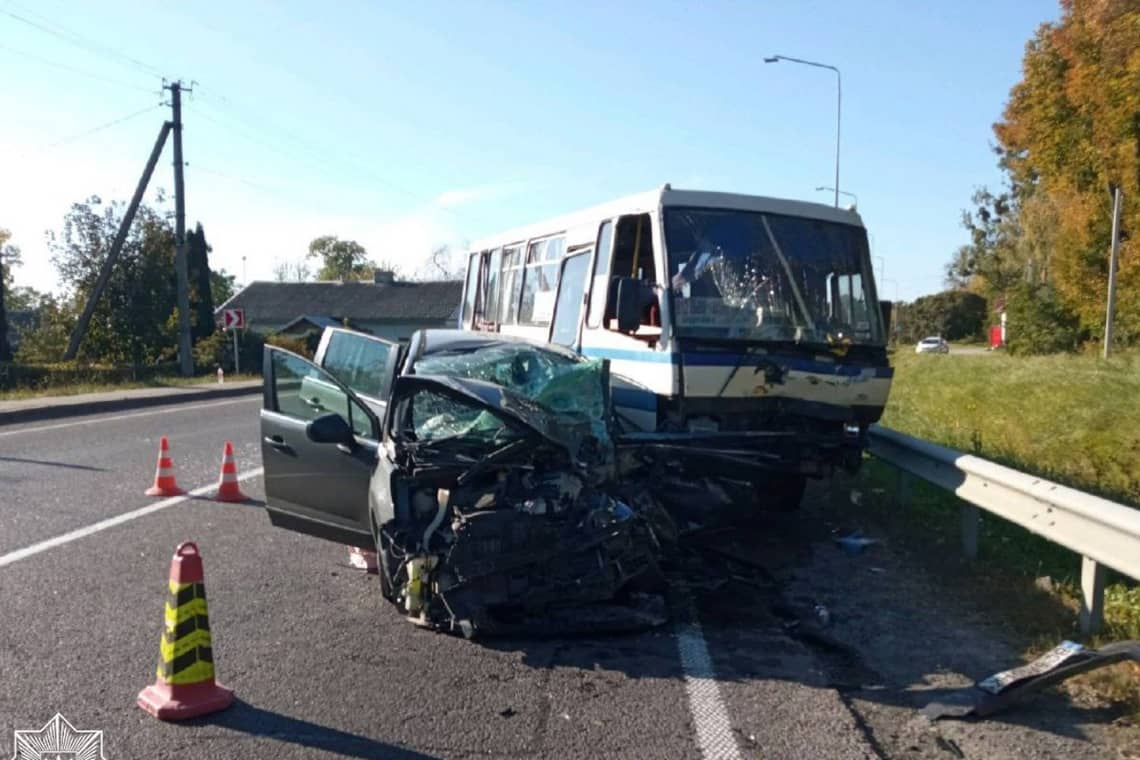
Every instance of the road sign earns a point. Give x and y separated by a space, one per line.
233 319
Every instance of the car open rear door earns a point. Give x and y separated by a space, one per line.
364 363
316 488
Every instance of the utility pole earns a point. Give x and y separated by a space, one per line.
116 246
185 359
1117 203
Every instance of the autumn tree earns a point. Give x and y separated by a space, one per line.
1070 132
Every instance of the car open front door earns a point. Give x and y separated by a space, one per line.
316 488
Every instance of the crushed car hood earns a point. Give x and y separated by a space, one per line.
573 431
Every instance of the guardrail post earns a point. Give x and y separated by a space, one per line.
969 517
902 488
1092 595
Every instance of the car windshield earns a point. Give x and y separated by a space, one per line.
570 387
757 276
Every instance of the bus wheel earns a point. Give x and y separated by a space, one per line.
779 493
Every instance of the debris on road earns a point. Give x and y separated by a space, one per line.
855 543
362 559
999 691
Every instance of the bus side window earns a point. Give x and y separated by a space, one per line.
489 311
471 290
633 257
600 286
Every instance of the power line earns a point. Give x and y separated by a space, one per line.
74 70
99 128
83 43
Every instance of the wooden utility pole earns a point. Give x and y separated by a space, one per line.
1117 203
185 358
116 246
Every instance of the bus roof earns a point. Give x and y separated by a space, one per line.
588 219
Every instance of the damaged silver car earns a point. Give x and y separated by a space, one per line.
482 468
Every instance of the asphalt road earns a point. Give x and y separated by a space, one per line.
322 668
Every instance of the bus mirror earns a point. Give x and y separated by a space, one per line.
885 308
628 304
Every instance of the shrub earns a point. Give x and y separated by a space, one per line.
1038 323
15 376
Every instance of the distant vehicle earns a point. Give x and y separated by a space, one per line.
744 332
932 345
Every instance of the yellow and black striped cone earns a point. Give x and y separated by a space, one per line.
185 687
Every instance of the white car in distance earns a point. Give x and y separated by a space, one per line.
932 345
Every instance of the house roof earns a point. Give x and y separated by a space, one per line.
313 319
279 303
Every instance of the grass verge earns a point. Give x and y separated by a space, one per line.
1072 419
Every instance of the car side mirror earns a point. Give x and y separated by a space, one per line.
330 428
886 308
628 304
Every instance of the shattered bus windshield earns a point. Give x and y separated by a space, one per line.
566 386
758 276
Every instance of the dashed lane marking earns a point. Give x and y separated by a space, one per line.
110 522
710 716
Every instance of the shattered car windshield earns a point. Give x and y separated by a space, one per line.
746 275
565 386
436 418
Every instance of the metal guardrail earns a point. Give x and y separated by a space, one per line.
1102 532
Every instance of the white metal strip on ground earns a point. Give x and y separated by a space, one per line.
110 522
710 715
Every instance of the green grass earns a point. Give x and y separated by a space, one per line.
78 388
1073 419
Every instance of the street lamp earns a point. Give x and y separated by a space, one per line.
838 105
854 198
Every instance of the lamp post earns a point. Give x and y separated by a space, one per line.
838 105
854 198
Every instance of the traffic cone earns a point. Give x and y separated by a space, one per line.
228 489
362 559
185 686
164 483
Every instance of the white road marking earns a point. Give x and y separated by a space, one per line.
710 716
110 522
183 408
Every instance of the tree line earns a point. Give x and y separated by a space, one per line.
1069 135
135 322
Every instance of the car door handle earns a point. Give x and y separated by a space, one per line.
276 441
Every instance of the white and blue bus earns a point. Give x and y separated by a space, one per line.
743 331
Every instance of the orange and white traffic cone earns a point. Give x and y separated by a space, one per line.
228 489
164 483
184 685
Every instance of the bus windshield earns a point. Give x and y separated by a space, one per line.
744 275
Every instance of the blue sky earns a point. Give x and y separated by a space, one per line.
408 125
